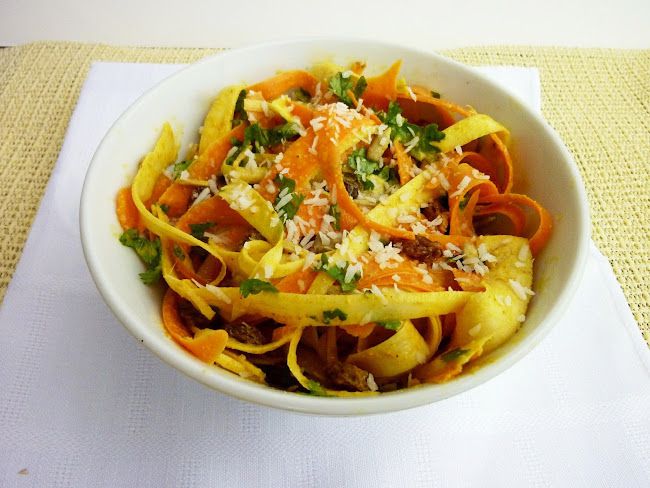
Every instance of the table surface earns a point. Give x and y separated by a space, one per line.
435 25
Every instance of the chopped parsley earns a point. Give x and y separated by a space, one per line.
282 133
290 207
363 167
463 203
301 95
197 230
338 273
315 388
340 85
164 207
253 286
435 94
405 132
148 251
178 252
335 212
179 168
337 313
256 136
240 114
390 324
453 354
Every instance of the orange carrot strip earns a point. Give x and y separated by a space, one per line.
405 163
162 183
409 278
214 209
481 163
419 112
302 166
127 213
360 331
210 161
291 283
177 196
382 89
424 96
515 214
493 149
277 85
206 344
303 112
460 220
280 332
543 232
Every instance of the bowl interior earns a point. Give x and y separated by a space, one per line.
545 168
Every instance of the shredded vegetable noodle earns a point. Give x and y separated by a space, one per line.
336 234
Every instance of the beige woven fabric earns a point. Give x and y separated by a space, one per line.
598 100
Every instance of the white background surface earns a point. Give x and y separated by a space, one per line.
428 24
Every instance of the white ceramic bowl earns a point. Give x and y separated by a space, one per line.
549 175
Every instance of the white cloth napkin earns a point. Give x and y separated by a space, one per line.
83 404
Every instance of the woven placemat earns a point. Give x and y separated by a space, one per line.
597 99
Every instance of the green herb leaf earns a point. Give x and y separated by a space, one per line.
148 251
453 354
338 273
301 95
178 252
363 167
429 134
253 286
282 133
289 209
361 86
256 136
389 174
340 85
337 313
405 132
435 94
315 388
151 276
390 324
464 201
197 230
164 207
335 212
179 168
240 114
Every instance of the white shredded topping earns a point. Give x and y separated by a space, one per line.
372 384
461 186
473 332
205 193
411 94
283 201
309 260
520 290
217 292
374 289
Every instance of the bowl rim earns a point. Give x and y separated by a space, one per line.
228 383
